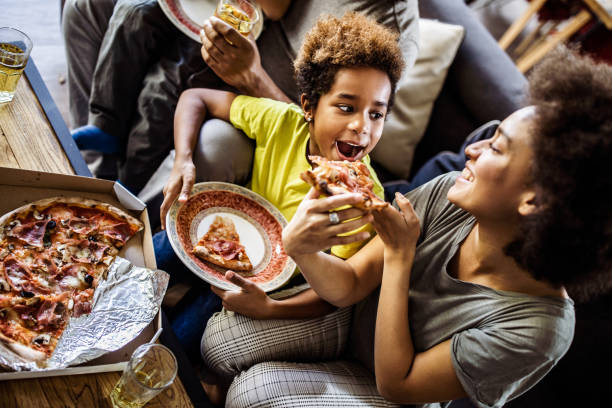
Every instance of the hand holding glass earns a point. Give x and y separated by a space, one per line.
240 14
15 49
151 369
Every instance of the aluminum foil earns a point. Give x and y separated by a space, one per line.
123 305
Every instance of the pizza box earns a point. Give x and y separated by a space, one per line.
19 187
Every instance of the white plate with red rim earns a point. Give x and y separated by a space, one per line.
259 225
189 16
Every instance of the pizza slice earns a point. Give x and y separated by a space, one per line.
341 177
221 246
32 326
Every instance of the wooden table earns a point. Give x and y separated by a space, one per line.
34 136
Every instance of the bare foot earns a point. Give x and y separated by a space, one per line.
216 393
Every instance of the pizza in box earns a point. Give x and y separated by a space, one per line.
53 254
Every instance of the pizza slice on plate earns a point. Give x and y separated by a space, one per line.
221 246
341 177
53 253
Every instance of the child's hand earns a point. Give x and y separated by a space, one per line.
249 300
180 181
233 57
311 229
399 230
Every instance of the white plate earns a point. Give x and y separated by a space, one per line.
258 223
189 15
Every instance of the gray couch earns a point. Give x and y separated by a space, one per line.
482 83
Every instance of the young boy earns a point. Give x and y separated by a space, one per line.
346 71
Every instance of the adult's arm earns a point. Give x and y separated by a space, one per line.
193 107
402 375
235 59
340 282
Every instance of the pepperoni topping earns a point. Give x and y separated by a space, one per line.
82 303
227 249
59 212
44 262
82 308
120 231
50 314
83 225
17 274
31 233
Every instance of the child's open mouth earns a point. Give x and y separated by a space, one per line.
348 151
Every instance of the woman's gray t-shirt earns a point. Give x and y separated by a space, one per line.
502 344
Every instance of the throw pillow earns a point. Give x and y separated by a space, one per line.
416 93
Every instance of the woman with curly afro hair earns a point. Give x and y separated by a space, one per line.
464 292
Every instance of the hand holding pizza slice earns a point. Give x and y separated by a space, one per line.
341 177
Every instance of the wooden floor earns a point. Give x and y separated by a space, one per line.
40 19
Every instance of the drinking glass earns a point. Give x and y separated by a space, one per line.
240 14
15 48
151 369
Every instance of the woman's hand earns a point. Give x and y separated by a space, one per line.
233 57
311 229
180 181
249 300
399 230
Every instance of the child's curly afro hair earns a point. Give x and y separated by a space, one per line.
351 41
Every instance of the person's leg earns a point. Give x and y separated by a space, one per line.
232 343
138 32
84 24
282 384
188 318
223 153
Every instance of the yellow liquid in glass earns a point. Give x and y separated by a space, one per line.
10 71
235 17
129 393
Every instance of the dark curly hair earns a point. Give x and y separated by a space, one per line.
351 41
569 240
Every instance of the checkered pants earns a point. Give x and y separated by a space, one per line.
287 363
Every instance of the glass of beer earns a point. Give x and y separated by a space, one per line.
240 14
15 49
151 369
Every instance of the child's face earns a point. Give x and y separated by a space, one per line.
348 120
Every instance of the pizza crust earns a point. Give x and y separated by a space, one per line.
79 201
22 350
233 264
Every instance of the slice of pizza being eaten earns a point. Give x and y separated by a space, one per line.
221 246
341 177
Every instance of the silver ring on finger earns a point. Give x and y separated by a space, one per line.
334 218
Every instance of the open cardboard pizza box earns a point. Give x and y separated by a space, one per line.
19 187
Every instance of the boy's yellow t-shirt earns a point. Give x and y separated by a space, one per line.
281 137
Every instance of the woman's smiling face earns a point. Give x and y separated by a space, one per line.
496 180
348 120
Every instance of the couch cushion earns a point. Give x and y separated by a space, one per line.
416 92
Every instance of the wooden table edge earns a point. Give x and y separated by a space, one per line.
56 120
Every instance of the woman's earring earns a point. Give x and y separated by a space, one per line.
308 119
